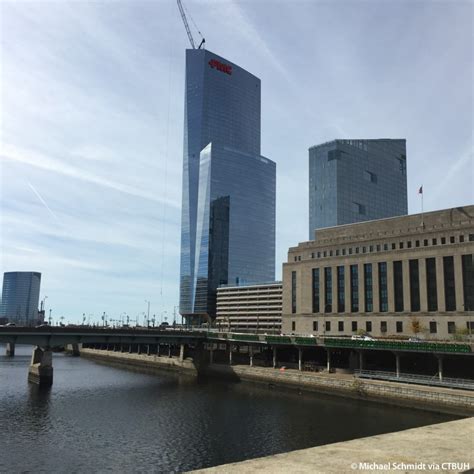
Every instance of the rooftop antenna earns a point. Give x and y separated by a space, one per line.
186 25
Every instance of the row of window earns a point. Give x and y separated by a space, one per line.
433 326
323 303
385 247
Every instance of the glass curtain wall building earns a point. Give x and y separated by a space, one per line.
228 207
20 297
356 180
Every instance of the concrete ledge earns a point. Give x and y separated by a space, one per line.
445 447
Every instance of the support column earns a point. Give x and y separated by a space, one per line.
75 350
230 354
130 348
361 360
397 364
158 350
139 348
10 349
169 351
41 367
300 359
440 367
181 352
211 354
328 354
274 357
251 356
148 349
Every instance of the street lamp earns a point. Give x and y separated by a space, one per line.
148 313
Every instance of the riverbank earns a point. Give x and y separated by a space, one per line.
444 447
439 399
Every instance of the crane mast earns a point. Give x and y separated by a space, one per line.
186 25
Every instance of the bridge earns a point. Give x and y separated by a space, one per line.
204 343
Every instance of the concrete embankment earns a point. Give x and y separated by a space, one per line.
445 447
446 400
148 363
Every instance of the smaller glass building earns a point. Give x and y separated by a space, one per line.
20 297
356 180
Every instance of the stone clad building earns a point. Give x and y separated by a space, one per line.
399 276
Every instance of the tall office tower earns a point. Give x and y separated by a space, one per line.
356 180
20 297
228 208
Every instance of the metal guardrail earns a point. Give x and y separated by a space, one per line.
465 384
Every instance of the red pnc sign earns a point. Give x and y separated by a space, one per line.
215 64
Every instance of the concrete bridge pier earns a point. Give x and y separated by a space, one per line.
10 352
361 360
397 364
300 359
328 365
251 356
274 357
181 352
211 354
440 367
41 367
230 354
73 350
158 350
170 354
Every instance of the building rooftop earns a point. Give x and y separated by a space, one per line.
392 226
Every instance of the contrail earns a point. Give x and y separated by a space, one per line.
38 195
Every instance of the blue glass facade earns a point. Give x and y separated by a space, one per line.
228 210
356 180
20 297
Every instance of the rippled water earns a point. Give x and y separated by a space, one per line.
100 418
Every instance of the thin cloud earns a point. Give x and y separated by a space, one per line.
39 160
38 195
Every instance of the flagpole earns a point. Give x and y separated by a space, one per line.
422 215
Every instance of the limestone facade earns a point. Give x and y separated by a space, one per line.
401 276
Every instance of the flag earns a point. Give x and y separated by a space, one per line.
420 191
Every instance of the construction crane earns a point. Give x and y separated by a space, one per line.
188 31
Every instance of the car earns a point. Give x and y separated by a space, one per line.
362 337
414 339
10 325
44 325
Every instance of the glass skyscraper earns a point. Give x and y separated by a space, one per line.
20 297
356 180
228 207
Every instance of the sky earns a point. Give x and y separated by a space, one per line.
92 125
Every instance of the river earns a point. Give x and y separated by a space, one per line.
98 418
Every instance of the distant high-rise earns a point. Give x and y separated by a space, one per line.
228 207
20 297
356 180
